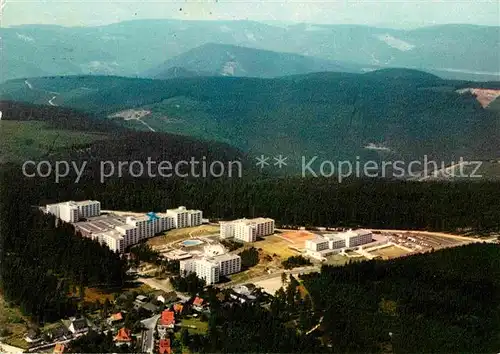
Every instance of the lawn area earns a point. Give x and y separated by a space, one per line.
390 252
201 327
12 320
182 234
93 294
275 245
29 140
339 260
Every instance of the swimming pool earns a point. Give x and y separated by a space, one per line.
192 242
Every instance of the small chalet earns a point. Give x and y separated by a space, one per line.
165 346
198 304
123 337
167 319
32 336
178 308
59 348
78 325
115 318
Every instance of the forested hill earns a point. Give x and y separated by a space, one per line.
390 114
443 302
56 133
230 60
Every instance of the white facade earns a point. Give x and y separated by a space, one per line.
68 212
227 229
247 230
73 211
228 263
204 269
349 239
116 232
185 218
88 208
317 244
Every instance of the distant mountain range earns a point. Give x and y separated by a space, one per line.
229 60
388 114
136 47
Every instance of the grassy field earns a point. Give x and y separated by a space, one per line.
12 320
201 327
182 234
93 294
390 252
339 260
29 140
276 245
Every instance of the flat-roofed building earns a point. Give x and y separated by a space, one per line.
72 211
68 212
184 217
247 230
88 208
317 244
336 243
226 229
204 269
228 263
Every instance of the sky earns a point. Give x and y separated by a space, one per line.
388 13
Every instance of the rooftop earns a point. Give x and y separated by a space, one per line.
123 335
167 318
317 240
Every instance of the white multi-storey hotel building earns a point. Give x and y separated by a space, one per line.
210 269
204 269
119 232
185 218
247 230
72 211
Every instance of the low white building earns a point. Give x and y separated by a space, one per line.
317 244
328 244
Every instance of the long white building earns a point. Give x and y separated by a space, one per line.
247 230
331 243
119 232
72 211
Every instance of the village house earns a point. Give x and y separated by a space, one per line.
115 318
167 321
33 337
123 337
59 348
198 304
164 347
78 325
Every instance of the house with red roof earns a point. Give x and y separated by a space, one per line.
115 318
198 304
59 348
123 336
165 346
178 308
167 319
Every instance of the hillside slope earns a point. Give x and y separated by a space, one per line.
389 114
451 51
32 132
230 60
